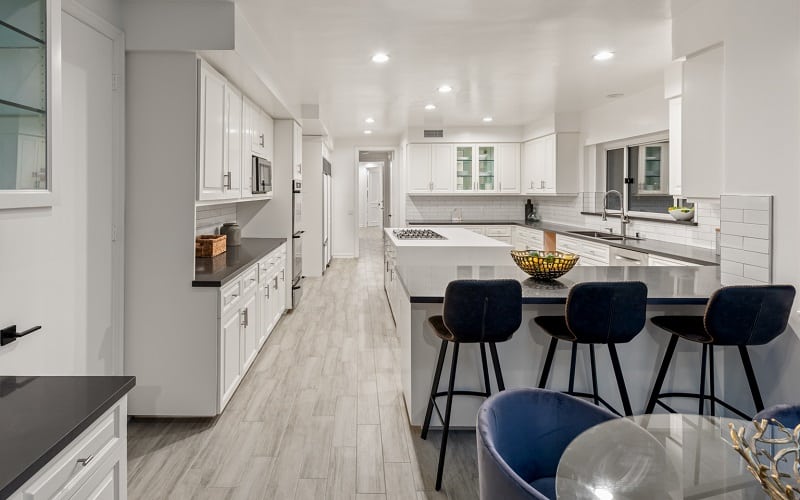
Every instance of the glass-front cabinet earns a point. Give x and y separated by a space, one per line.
475 168
464 168
653 172
23 96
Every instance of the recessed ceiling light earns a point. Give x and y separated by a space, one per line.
367 132
430 107
380 58
370 120
603 55
444 89
487 119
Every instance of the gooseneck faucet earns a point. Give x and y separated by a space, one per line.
624 220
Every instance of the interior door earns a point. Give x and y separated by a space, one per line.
374 197
88 100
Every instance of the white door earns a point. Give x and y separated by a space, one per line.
374 196
89 155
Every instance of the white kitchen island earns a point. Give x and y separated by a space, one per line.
459 246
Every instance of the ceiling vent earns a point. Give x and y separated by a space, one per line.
433 133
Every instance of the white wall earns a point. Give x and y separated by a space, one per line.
110 10
760 147
630 116
469 134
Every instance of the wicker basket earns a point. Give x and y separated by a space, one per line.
210 245
544 265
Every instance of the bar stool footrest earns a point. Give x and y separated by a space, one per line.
705 397
599 400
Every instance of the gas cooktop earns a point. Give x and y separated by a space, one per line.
417 234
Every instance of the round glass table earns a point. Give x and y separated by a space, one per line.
656 456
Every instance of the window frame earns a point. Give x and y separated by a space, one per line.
624 144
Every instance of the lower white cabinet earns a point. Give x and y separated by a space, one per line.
657 260
594 254
250 308
93 466
524 238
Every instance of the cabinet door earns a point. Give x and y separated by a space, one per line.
230 357
465 168
108 481
267 140
264 312
508 167
419 168
442 168
298 151
211 176
233 143
486 173
282 289
529 152
249 130
249 331
547 164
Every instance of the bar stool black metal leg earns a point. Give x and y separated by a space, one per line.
548 362
446 426
594 373
437 374
572 368
486 386
662 374
702 379
751 378
498 373
711 379
623 391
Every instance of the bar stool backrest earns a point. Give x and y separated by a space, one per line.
748 315
606 312
483 310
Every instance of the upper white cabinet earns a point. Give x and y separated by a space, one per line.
463 168
430 168
212 170
550 164
232 129
297 148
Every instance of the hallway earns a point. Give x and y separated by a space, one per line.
320 415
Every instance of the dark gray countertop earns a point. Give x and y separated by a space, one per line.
216 271
688 253
40 416
666 285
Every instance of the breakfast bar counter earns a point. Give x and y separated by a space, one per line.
671 290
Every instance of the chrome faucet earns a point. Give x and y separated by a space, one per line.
624 220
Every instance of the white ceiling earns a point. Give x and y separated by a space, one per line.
515 60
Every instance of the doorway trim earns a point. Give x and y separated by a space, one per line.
117 81
393 149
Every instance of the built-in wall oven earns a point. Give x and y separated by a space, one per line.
262 176
297 242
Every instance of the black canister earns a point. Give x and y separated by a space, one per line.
528 210
233 232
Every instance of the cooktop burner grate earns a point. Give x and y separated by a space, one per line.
417 234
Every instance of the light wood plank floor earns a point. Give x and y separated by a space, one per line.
319 415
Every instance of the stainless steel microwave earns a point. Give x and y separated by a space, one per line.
262 175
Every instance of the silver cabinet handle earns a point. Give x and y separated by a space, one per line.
85 461
262 140
283 275
542 185
276 282
226 183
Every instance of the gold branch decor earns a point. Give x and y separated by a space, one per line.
767 466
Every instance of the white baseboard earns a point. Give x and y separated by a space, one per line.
344 256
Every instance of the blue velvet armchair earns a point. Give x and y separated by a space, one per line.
787 415
522 434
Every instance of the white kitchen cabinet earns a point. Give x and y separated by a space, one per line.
250 328
103 476
430 168
508 168
212 171
657 260
230 357
233 142
550 164
524 238
675 172
591 253
297 148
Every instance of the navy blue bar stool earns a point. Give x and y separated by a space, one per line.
597 313
738 316
474 312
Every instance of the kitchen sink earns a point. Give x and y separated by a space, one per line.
597 234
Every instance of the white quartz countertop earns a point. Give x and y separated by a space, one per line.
455 237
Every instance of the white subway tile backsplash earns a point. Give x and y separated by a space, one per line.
756 216
208 219
749 230
730 267
746 257
731 241
746 240
747 202
755 245
735 279
756 273
732 215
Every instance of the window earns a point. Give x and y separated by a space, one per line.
645 167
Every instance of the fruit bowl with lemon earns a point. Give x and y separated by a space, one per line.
681 213
544 265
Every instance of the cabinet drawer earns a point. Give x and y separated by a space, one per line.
230 296
595 251
567 244
250 279
476 229
655 260
87 454
498 231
